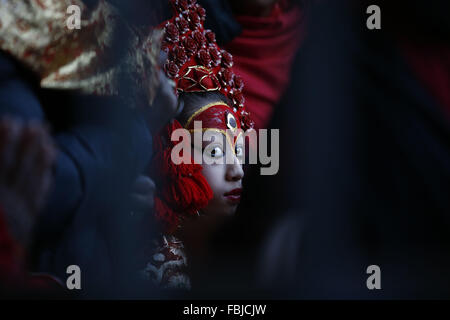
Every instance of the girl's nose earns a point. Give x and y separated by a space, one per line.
234 171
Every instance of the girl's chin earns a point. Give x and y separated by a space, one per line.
221 208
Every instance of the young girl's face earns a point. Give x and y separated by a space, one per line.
224 178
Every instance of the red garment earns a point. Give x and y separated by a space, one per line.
263 56
431 64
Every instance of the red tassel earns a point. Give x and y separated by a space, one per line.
183 188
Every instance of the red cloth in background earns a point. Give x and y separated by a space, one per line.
431 65
263 56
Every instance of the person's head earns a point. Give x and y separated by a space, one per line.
225 178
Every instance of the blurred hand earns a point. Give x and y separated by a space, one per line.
27 154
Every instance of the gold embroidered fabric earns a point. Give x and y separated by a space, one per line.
36 33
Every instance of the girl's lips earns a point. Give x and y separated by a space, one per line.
234 192
234 196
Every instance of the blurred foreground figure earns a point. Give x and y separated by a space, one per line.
26 158
364 165
101 91
368 180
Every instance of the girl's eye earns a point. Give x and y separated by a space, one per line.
216 152
239 151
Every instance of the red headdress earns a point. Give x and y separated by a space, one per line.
195 61
196 64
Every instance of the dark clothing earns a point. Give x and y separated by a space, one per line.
371 176
103 146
